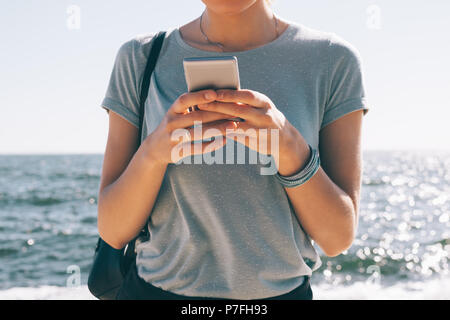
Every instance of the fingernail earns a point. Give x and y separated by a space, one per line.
231 125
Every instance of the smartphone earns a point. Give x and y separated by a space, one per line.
212 73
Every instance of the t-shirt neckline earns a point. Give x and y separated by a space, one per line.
266 46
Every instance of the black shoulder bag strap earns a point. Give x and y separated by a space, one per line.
151 62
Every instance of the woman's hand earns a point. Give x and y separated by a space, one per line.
280 139
160 143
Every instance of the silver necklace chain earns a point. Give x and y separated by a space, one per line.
220 44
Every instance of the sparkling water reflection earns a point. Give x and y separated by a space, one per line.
48 220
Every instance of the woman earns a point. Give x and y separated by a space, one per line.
225 230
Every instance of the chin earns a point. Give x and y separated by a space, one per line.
229 6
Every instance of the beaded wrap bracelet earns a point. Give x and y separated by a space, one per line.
303 175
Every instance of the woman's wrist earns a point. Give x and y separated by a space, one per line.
304 174
294 153
153 150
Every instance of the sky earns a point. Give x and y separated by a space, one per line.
57 56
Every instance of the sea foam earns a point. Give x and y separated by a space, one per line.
437 289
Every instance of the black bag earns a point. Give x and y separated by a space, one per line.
111 265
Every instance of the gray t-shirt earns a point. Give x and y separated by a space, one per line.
226 230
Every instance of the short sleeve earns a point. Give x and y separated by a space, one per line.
346 84
122 94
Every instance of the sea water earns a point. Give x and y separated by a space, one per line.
48 228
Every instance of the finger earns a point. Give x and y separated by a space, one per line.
250 97
191 99
241 129
215 129
187 148
258 139
189 119
208 146
246 112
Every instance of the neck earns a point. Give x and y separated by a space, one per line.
250 28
